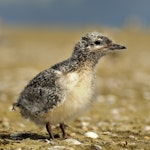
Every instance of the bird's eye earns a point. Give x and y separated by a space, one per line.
97 42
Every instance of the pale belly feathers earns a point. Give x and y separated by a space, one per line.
78 97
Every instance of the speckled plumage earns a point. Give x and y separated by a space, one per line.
61 92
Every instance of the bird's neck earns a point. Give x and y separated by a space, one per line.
78 62
84 61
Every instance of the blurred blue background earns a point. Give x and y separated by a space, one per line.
75 12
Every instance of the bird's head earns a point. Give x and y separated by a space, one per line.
96 44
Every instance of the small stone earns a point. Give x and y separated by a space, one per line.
84 124
95 128
123 143
85 128
21 125
73 141
107 133
115 111
47 141
72 134
102 123
146 137
114 135
57 148
15 136
91 135
19 148
132 137
146 128
132 144
97 147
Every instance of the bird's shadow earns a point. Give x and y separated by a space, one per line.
21 136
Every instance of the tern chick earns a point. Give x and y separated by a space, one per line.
60 93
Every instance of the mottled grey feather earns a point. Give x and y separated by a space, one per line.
42 93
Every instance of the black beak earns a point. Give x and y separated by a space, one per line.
114 46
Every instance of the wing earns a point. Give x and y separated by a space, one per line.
42 93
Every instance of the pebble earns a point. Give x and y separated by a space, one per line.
146 128
114 135
115 111
73 141
84 124
47 141
19 148
102 123
146 137
132 137
123 143
92 135
97 147
22 125
132 144
107 133
57 148
14 136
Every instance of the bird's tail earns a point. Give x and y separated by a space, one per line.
14 105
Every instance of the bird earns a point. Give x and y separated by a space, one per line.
65 90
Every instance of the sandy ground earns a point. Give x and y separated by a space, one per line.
120 115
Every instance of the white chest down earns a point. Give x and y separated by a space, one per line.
79 93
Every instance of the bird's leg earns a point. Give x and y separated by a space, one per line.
62 127
49 130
